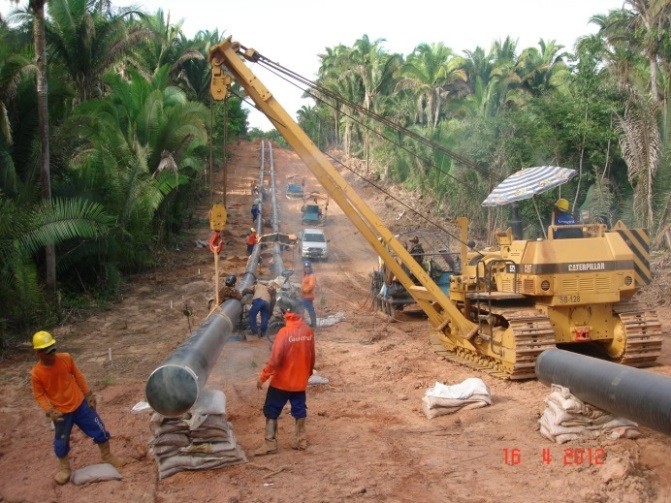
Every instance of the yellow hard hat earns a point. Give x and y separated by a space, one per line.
42 339
252 229
562 204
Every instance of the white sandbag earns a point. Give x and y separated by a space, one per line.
177 464
209 448
95 473
441 399
209 402
159 424
330 320
317 379
438 401
466 389
177 439
210 436
213 422
433 411
566 418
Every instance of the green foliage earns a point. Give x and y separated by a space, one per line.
22 235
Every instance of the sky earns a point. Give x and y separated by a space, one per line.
294 32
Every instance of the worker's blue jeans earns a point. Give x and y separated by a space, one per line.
310 308
88 421
259 306
276 399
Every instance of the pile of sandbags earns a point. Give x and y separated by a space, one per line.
567 418
441 399
201 439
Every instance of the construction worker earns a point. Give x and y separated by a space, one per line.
63 393
263 302
288 368
417 250
256 210
308 284
228 291
252 239
561 214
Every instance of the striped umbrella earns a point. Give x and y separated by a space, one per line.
527 183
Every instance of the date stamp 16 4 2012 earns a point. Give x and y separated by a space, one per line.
570 456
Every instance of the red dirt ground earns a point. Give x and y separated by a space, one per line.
369 439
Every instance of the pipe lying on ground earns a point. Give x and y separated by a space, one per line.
629 392
175 385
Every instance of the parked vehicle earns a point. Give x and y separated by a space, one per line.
295 186
315 206
314 244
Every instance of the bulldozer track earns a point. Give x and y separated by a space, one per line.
532 333
643 343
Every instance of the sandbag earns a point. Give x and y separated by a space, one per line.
95 473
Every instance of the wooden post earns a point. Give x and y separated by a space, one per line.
216 278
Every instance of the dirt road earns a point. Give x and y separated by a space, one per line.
369 439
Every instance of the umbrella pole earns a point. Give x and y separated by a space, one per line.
533 200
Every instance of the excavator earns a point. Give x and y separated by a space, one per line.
507 304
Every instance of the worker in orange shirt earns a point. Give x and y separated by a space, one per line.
63 393
252 239
291 362
308 284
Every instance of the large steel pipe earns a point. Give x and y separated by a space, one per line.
278 264
175 385
629 392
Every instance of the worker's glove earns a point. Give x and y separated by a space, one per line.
55 415
259 385
91 399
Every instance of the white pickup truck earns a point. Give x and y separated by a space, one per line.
314 244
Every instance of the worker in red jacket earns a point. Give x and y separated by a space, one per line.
63 393
289 367
252 239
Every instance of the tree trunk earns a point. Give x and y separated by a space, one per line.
39 37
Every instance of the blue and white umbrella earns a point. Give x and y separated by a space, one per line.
528 182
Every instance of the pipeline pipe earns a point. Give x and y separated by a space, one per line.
636 394
278 264
175 385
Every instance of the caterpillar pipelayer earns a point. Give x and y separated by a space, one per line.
507 305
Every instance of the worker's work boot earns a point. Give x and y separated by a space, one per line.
63 474
108 457
269 442
300 442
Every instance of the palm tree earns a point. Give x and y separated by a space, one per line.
375 70
126 138
432 71
640 143
88 42
542 69
329 73
651 19
37 9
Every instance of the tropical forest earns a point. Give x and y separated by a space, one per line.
108 133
